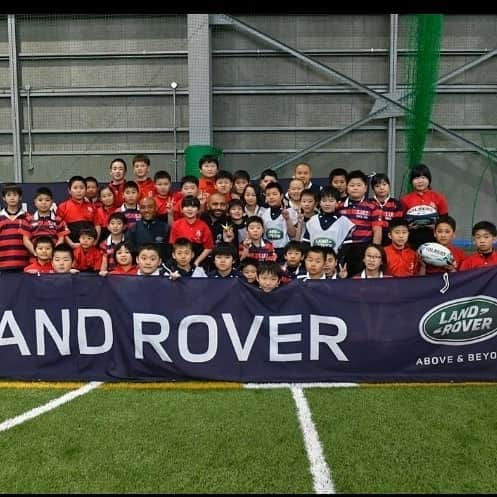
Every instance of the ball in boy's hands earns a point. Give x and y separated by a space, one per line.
435 254
421 215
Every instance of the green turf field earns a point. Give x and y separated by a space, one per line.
393 439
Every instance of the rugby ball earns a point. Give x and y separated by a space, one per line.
435 254
421 215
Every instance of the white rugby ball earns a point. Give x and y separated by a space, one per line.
435 254
421 215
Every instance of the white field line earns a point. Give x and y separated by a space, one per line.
319 469
53 404
300 385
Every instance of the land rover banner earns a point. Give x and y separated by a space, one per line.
85 327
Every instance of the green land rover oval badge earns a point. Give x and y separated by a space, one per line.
460 321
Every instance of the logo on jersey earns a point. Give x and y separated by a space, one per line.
324 242
274 234
460 321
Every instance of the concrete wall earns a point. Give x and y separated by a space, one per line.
100 88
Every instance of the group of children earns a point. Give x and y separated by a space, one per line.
221 225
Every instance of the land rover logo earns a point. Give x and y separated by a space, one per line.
461 321
324 242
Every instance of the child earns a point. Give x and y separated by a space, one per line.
445 232
367 219
181 263
115 227
484 237
254 245
267 176
124 259
224 256
141 170
238 220
223 184
43 249
92 190
63 258
338 179
390 207
193 228
77 212
117 171
268 276
308 203
104 210
303 172
130 207
209 166
163 195
293 254
248 270
250 202
44 222
188 186
374 262
423 195
87 257
326 229
149 261
402 260
314 261
330 266
292 196
14 256
241 179
280 224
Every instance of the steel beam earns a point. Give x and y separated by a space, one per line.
392 88
245 28
14 99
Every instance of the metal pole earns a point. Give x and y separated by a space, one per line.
392 87
174 85
14 99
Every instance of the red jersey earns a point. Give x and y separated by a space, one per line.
91 260
37 267
120 270
72 211
479 260
118 190
13 253
146 188
197 232
51 225
428 197
402 262
365 214
459 257
207 185
163 204
102 215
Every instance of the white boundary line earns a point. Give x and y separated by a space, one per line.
53 404
300 385
319 469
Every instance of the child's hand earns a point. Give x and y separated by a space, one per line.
342 270
285 214
228 233
103 272
174 275
74 270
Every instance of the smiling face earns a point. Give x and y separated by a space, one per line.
148 261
